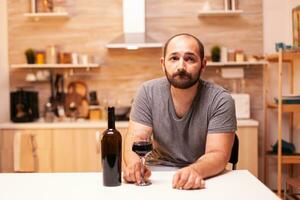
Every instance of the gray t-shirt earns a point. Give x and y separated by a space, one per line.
181 141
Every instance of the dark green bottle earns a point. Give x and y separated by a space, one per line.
111 149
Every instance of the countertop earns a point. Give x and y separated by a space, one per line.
236 184
91 124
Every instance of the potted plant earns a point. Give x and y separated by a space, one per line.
30 56
216 53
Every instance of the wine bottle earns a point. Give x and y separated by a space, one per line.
111 148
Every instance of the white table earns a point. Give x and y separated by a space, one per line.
239 184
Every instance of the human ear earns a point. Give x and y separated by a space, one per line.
162 63
203 64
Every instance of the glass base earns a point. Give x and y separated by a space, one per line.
145 183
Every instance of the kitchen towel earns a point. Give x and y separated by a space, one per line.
25 159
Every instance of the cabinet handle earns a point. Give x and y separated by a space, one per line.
98 141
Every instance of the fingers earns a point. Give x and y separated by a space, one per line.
187 180
190 183
176 178
184 177
147 173
137 173
199 183
129 175
132 174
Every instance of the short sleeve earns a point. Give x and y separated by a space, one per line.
141 108
223 117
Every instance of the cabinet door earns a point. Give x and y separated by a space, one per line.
248 149
26 150
76 150
63 150
6 150
43 139
87 150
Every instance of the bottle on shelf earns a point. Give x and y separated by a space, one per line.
111 150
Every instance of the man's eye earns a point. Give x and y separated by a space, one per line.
173 58
190 59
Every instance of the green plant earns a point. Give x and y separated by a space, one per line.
30 56
216 53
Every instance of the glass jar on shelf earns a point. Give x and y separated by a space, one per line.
239 55
231 55
40 57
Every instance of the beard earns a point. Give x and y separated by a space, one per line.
181 79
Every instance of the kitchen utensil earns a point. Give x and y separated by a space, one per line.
59 85
93 98
78 87
77 94
30 77
122 113
49 115
83 109
72 103
57 91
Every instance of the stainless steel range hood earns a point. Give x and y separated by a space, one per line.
134 36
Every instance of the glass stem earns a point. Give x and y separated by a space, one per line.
142 168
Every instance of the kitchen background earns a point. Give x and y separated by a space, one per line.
92 24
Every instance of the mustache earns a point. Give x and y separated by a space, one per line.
182 73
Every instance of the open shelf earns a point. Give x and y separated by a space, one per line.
286 56
286 159
216 13
53 66
285 107
245 63
282 106
47 15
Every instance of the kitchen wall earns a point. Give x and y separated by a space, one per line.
4 72
94 23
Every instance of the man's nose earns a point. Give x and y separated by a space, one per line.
181 64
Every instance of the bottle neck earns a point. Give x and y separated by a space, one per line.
111 117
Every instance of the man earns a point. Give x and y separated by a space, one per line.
192 121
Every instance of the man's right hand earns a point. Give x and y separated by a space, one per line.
132 172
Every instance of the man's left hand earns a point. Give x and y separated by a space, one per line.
188 178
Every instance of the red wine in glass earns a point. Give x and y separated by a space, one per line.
142 148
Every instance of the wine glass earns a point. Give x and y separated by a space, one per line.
142 148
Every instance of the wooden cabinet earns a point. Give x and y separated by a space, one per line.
248 149
25 150
52 150
78 150
6 151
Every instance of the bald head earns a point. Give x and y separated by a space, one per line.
186 35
